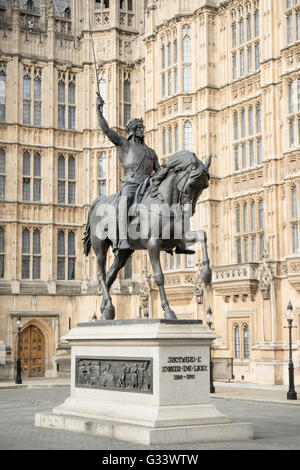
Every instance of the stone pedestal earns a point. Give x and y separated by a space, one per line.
144 381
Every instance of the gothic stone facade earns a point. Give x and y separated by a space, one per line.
210 76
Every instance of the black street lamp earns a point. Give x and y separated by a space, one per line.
18 376
209 324
291 394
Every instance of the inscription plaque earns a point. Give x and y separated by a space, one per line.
184 368
108 373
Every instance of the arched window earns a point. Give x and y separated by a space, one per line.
26 164
67 12
294 202
236 157
237 342
36 261
127 101
169 50
253 216
128 268
249 58
164 135
71 256
246 342
170 140
238 251
2 252
71 168
234 66
188 136
61 184
187 77
66 255
235 125
61 167
254 254
249 25
292 132
250 118
295 238
259 150
258 118
102 171
186 44
176 138
291 96
175 71
2 173
163 85
245 212
187 58
243 119
233 31
127 91
37 177
25 254
257 56
3 93
102 89
169 83
29 5
238 218
251 152
256 23
37 164
163 57
241 26
71 180
242 62
26 176
102 165
261 213
246 249
175 51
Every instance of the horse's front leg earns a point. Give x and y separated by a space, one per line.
154 252
200 235
107 308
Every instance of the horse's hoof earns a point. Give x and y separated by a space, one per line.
108 313
206 275
170 315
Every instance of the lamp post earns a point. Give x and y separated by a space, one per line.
209 324
18 376
291 394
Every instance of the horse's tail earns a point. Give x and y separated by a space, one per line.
87 244
87 237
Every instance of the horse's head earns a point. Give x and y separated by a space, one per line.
197 177
181 179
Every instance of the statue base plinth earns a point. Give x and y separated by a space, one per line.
143 381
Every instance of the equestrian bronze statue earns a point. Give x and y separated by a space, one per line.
151 212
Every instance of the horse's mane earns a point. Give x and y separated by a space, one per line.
182 161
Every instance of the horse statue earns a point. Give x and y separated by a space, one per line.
176 187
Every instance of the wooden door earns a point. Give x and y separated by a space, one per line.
32 352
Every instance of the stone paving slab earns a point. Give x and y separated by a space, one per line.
259 394
276 427
223 390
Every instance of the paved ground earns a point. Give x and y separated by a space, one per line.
276 421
